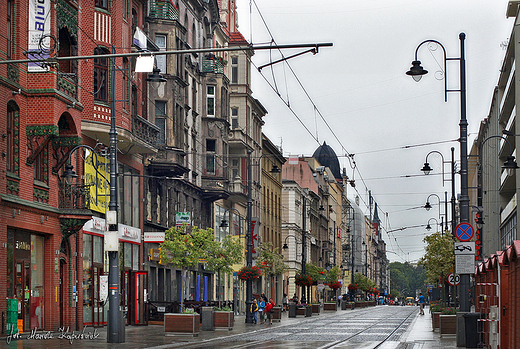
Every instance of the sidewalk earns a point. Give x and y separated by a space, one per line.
421 335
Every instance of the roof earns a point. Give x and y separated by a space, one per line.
236 38
327 157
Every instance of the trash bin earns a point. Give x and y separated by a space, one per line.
473 329
12 315
343 305
292 309
207 317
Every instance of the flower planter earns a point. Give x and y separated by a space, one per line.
182 323
447 324
304 311
277 313
315 308
330 306
224 320
435 321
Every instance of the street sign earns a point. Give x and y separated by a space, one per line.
465 247
453 279
464 232
464 264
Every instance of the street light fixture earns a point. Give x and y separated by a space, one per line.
428 226
416 71
427 170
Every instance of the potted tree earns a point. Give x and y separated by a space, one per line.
184 249
303 280
271 262
221 256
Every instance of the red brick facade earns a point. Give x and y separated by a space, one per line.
34 208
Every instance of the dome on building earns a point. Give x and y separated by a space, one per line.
327 157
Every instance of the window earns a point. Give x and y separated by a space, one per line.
210 155
193 36
235 169
126 6
13 137
160 41
234 118
234 70
100 76
160 121
10 31
40 167
126 84
128 186
194 94
210 97
102 3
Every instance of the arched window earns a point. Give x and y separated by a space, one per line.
101 75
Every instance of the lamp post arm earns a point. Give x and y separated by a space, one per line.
445 73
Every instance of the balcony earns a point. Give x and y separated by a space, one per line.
212 64
74 198
68 84
145 130
163 10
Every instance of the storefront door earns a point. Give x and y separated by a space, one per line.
138 295
23 293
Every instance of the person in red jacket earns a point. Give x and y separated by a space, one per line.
269 310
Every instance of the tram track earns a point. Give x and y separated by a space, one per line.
275 337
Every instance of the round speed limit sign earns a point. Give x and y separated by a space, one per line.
453 279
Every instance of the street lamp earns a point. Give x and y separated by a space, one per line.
427 169
429 227
416 72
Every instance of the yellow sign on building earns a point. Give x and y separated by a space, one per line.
97 175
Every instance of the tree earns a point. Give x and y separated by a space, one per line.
270 260
184 249
439 259
406 278
221 256
363 282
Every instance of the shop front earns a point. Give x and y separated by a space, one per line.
133 281
25 277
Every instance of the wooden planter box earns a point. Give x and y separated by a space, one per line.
182 323
315 308
435 321
304 311
330 306
447 324
277 313
224 320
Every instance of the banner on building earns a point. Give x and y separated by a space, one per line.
39 32
97 175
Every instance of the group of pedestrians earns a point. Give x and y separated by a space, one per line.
263 309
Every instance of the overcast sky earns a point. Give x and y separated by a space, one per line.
359 88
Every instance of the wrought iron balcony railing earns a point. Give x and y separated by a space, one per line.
212 65
74 196
163 9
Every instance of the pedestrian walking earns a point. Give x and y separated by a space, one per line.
285 302
261 310
254 310
269 310
421 303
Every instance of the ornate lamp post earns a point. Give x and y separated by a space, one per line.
416 72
